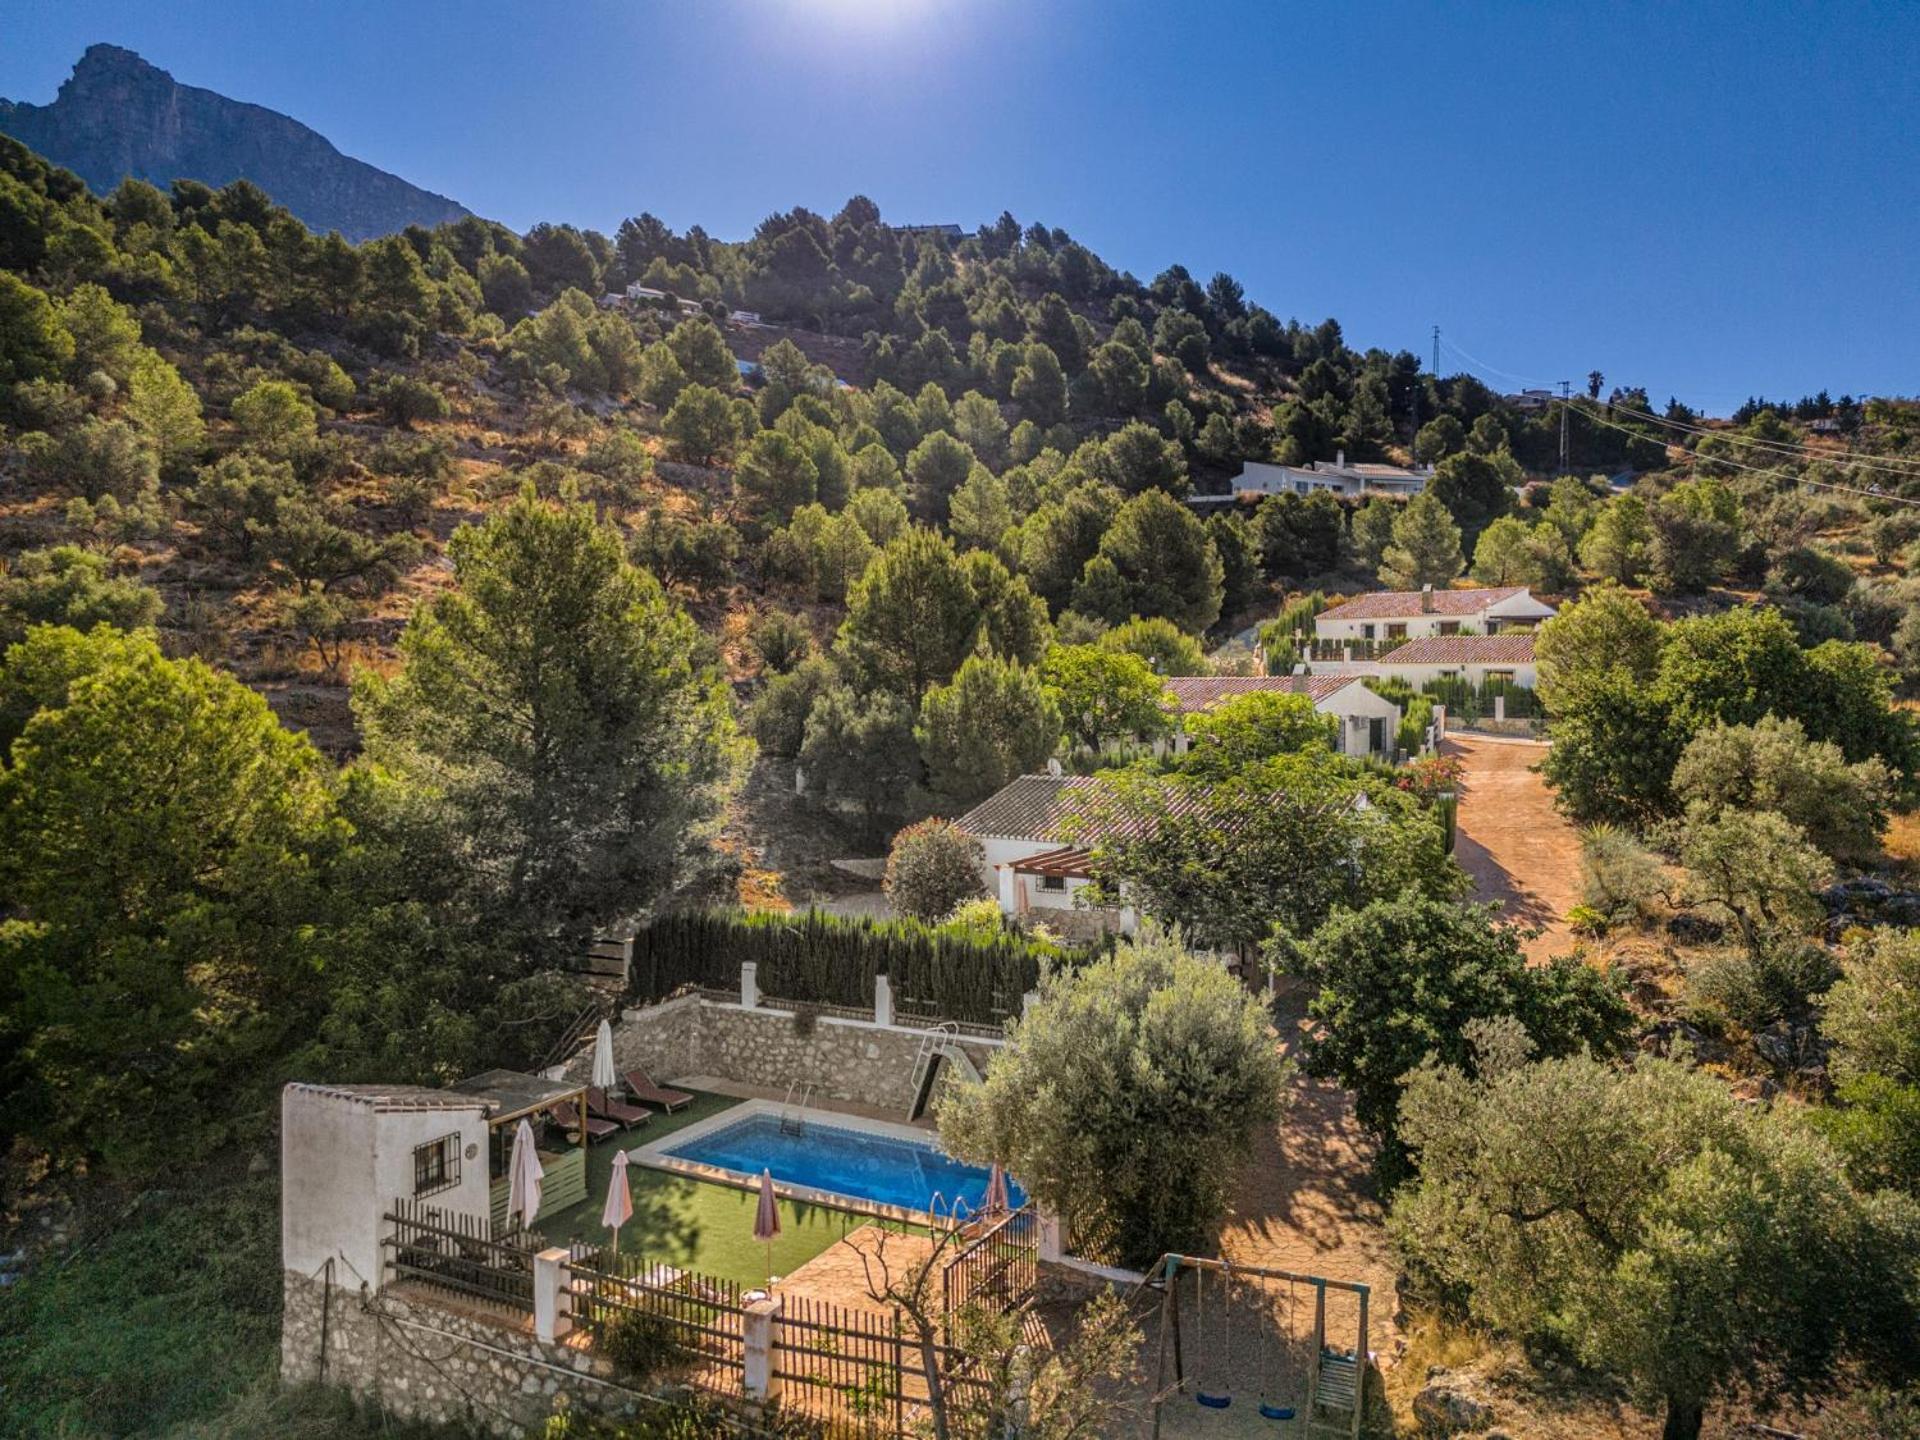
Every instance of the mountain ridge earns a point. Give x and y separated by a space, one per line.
119 115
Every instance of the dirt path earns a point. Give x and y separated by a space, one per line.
1519 850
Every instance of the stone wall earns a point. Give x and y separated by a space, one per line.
418 1361
853 1061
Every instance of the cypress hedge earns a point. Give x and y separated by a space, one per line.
938 972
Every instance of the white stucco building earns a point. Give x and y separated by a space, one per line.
1367 721
1257 477
348 1151
1415 614
1475 658
1029 863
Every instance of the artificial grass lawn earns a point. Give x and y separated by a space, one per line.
693 1224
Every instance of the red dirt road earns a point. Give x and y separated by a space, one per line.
1519 850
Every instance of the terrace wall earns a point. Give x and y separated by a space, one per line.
426 1361
854 1061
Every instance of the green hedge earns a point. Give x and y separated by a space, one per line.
820 959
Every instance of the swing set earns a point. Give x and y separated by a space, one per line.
1327 1398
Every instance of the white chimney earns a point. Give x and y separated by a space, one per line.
1426 599
1339 459
1053 765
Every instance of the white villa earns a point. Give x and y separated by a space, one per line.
1028 862
1367 721
1415 614
1259 478
1474 658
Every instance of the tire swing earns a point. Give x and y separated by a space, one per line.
1215 1399
1269 1409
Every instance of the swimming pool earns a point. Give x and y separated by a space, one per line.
837 1161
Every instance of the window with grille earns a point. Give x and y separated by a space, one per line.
436 1165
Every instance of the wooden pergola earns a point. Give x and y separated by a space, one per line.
510 1097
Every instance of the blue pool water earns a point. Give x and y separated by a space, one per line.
847 1162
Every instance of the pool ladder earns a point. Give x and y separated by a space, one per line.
793 1118
926 1062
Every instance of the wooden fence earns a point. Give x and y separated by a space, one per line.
997 1271
697 1321
850 1372
460 1255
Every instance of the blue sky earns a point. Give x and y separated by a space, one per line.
1710 200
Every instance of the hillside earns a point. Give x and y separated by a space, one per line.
119 116
571 553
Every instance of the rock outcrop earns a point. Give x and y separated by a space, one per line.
119 116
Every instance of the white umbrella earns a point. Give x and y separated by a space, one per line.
523 1176
619 1207
766 1219
603 1071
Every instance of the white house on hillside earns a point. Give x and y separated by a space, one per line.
1029 863
1413 614
1259 478
1367 721
1475 658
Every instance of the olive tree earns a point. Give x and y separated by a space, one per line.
1696 1248
1129 1093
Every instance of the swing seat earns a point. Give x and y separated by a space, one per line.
1276 1412
1211 1401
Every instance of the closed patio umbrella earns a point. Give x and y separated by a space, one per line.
996 1199
523 1176
766 1219
619 1207
603 1072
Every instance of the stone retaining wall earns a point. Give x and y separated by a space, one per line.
419 1361
853 1061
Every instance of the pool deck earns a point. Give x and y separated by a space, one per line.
713 1085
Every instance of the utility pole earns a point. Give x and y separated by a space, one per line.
1436 352
1566 401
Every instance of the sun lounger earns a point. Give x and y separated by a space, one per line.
603 1106
568 1119
641 1087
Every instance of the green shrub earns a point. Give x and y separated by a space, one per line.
1752 990
641 1343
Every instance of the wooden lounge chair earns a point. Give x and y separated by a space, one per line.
641 1087
568 1119
603 1106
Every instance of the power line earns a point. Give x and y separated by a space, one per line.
1778 472
1885 464
1480 364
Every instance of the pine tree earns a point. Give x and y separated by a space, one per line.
1425 549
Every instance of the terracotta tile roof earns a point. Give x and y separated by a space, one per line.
1203 692
1039 807
1463 650
1033 807
1394 604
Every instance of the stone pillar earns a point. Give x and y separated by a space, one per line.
882 999
550 1277
1499 707
749 984
758 1330
1026 1002
1052 1245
